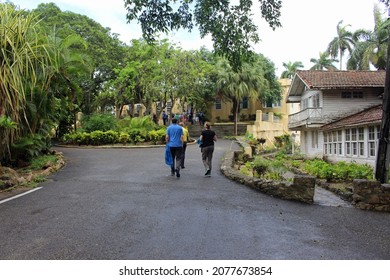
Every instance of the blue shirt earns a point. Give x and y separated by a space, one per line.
175 132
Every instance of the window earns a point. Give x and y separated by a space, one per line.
346 94
270 104
348 142
349 94
218 104
316 100
314 139
333 143
276 104
244 104
355 142
378 131
361 141
373 136
339 142
325 143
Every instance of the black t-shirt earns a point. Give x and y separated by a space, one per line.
207 138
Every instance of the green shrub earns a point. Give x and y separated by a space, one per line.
97 137
29 147
78 138
260 165
157 136
124 123
124 138
101 122
137 135
6 122
247 169
110 137
143 123
339 171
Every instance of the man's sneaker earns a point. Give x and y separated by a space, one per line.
172 172
208 173
178 173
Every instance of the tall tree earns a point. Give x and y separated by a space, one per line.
370 46
291 68
70 64
107 52
341 43
250 81
323 62
230 26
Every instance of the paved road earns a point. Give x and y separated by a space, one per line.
123 204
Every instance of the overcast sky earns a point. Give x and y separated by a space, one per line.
308 25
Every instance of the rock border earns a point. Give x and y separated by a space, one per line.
13 182
301 189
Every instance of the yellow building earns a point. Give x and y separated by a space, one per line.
264 120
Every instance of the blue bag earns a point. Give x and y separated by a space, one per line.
168 156
199 142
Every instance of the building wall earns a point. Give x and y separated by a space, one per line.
311 143
268 129
333 106
222 115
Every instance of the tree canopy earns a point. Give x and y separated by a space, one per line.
231 26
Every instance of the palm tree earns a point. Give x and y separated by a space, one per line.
67 63
370 46
291 68
323 62
234 86
342 42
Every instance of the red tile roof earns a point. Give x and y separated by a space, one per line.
372 115
318 79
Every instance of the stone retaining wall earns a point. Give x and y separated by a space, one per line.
301 189
371 195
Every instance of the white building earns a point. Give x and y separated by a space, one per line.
334 118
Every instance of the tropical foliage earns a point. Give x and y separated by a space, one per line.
341 43
370 46
323 62
253 80
366 48
290 69
106 130
231 26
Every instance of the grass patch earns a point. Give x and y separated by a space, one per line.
42 162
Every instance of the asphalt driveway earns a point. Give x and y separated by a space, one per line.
123 204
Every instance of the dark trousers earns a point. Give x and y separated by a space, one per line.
176 157
183 154
207 156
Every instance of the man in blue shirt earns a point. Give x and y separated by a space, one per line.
174 139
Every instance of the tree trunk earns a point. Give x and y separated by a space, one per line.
341 60
382 161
